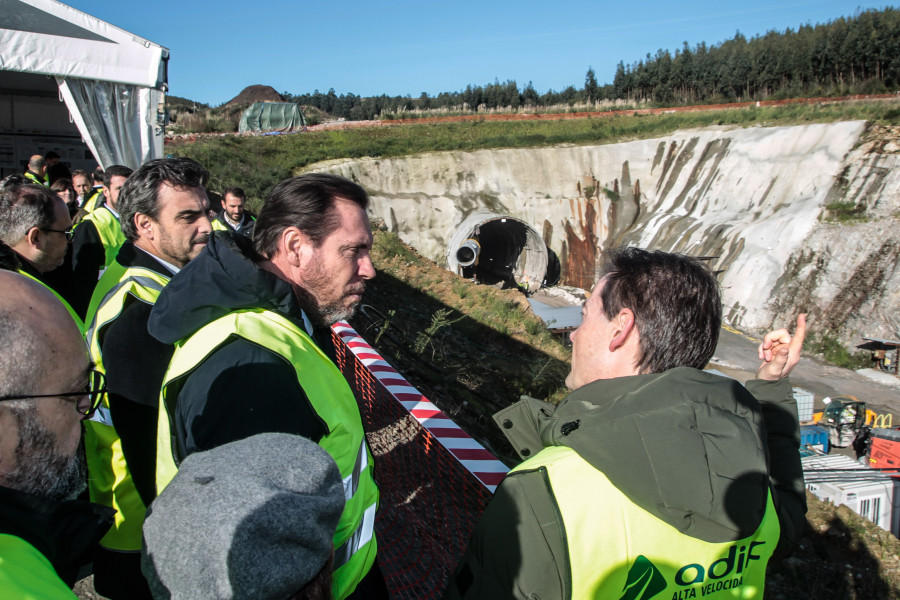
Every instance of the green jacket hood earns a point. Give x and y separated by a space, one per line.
685 445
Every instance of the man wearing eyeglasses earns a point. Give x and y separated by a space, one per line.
47 386
163 210
36 224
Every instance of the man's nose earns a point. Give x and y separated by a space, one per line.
366 268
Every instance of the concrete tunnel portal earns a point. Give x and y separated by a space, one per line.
502 250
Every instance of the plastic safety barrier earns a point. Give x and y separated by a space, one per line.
434 479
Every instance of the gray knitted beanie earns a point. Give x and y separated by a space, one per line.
251 519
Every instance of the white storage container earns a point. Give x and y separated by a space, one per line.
867 492
804 400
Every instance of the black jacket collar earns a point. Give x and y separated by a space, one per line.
27 267
131 256
222 279
64 532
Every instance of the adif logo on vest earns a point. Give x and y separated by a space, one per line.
738 559
645 580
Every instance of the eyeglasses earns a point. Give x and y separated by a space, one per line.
69 233
89 398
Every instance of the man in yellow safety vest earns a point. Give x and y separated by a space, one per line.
35 224
98 238
233 215
36 171
243 318
163 209
653 478
47 387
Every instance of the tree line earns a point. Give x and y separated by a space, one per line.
848 55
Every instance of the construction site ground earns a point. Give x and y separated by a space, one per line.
736 356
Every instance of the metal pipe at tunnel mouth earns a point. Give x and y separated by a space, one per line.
498 249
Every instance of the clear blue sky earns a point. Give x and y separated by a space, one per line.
400 47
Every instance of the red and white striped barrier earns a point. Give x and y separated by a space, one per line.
481 463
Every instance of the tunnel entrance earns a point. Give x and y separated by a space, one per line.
499 250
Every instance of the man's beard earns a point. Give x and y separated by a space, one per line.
41 469
179 254
325 315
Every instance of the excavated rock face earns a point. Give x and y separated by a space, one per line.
755 199
845 273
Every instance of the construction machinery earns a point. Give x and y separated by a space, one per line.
844 417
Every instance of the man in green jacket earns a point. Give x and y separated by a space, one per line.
47 387
653 478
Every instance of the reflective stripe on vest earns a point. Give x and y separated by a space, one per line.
333 401
34 179
90 205
617 549
110 231
109 480
218 225
78 322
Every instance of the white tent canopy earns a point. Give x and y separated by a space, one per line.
112 82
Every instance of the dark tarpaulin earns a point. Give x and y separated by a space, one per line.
272 116
879 344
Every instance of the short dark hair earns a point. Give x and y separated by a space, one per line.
81 172
236 192
51 155
24 206
115 171
141 192
62 184
676 303
97 176
306 202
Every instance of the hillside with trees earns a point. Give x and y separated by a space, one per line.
856 55
849 55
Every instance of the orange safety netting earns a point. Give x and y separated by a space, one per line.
429 501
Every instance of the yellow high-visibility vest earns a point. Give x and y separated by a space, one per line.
109 480
110 231
330 395
614 546
26 574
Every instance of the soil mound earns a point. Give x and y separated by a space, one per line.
256 93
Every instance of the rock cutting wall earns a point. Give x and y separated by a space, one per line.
753 198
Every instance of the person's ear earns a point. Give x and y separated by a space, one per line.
298 249
34 237
144 225
624 326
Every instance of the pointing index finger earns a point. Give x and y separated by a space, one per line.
799 335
